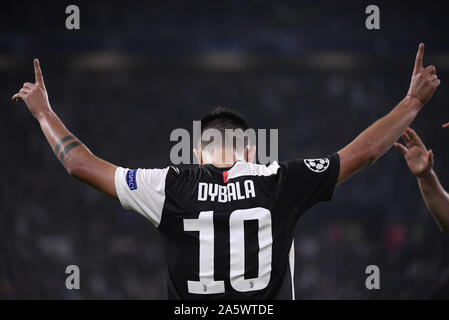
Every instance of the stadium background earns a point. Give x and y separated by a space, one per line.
137 70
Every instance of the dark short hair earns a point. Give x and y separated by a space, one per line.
222 118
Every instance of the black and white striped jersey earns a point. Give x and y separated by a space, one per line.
228 232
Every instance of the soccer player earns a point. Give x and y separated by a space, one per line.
420 162
228 227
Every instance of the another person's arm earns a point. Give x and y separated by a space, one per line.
420 162
73 155
380 136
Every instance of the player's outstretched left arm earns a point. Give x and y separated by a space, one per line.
73 155
420 162
380 136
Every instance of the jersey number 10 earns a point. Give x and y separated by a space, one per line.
205 225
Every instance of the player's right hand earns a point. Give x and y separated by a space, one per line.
34 94
419 160
446 125
424 80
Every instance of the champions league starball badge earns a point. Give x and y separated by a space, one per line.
317 165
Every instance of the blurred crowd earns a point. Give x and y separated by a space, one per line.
125 115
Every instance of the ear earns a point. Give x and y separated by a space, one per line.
250 154
197 153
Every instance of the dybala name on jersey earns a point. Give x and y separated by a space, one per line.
230 192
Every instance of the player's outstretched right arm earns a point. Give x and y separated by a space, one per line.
73 155
380 136
420 162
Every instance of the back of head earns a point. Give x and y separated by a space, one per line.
223 131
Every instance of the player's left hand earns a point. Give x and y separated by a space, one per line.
424 81
34 94
419 160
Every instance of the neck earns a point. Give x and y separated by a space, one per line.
222 165
220 160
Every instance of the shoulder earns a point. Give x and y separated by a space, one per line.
184 172
182 169
251 169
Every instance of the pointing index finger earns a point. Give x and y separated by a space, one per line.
419 58
38 74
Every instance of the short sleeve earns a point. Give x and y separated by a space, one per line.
308 181
142 190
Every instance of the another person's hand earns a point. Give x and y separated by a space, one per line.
34 94
419 160
424 80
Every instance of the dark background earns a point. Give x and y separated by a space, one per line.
137 70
